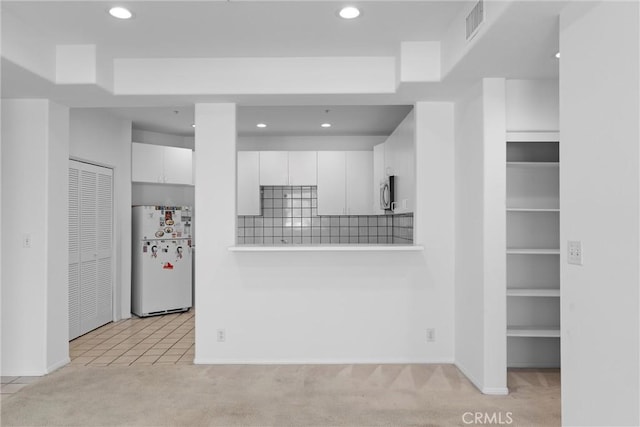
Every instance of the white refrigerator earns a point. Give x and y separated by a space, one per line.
161 267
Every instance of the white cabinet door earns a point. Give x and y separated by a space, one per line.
178 165
303 167
160 164
359 171
274 168
147 163
331 182
248 183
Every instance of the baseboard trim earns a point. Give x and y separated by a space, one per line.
495 391
210 361
37 373
23 373
58 365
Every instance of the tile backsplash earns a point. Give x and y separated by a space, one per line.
290 216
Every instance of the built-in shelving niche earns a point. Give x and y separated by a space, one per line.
533 253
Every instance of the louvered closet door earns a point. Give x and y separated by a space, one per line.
90 237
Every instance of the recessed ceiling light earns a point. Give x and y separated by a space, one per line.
193 125
349 12
261 125
326 125
120 13
557 55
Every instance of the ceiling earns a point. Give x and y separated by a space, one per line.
520 47
237 28
364 120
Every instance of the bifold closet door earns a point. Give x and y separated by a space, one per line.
90 247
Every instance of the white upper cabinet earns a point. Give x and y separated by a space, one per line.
178 165
288 168
147 163
332 182
161 164
248 183
302 167
359 172
274 168
344 182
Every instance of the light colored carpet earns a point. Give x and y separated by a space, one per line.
289 395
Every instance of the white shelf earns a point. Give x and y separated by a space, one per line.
533 292
533 230
534 332
526 251
533 210
534 164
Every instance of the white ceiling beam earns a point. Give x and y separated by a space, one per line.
206 76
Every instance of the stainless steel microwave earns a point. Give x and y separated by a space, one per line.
387 189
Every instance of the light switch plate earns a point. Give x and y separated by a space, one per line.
574 252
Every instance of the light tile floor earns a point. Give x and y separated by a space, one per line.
167 339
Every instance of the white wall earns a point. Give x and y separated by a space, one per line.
399 160
159 138
313 143
533 105
97 137
306 307
57 182
435 184
599 195
480 283
159 194
34 279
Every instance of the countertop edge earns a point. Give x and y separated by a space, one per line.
327 248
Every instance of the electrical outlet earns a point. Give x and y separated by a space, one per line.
26 240
431 335
574 252
221 335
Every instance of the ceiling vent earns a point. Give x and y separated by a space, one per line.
474 19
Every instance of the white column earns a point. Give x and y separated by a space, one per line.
494 236
215 205
480 187
34 239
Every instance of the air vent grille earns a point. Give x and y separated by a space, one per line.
474 19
